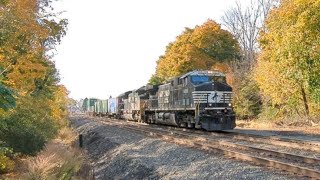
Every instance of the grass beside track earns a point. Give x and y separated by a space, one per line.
60 159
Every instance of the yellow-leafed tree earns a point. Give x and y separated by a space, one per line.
288 71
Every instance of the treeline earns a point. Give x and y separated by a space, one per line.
270 53
32 103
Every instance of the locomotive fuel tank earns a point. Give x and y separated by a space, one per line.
167 118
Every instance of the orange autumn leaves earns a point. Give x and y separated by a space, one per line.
284 79
203 47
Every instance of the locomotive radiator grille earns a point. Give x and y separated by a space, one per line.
212 97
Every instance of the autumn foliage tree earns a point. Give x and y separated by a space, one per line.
200 48
245 23
288 71
26 37
35 104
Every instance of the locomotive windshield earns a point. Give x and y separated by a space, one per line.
199 79
203 79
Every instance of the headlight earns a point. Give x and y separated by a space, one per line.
230 104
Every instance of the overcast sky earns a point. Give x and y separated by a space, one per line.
112 45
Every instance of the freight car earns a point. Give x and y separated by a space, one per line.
89 106
101 107
113 107
198 99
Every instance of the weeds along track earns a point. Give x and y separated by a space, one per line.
251 148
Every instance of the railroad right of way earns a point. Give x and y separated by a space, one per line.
117 152
302 165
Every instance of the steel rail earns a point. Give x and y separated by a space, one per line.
285 155
278 141
293 143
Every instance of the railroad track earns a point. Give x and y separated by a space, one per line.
280 141
302 165
272 140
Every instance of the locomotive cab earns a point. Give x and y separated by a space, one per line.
212 98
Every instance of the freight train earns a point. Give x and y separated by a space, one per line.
197 99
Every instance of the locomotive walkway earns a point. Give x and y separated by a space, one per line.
304 159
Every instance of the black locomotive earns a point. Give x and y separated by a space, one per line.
198 99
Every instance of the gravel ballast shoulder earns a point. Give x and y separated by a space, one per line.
117 153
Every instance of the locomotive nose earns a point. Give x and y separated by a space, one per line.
205 87
213 86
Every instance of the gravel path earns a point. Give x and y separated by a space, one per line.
117 153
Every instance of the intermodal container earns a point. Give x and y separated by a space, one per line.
112 106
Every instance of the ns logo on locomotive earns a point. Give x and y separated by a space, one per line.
198 99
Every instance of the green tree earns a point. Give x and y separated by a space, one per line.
247 100
7 100
29 126
198 48
155 80
288 66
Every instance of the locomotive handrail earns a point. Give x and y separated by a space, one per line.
197 110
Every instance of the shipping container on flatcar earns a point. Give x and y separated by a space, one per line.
112 107
89 105
101 107
104 107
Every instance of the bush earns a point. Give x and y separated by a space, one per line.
66 135
29 127
247 100
6 164
269 112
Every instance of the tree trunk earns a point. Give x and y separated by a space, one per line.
305 102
